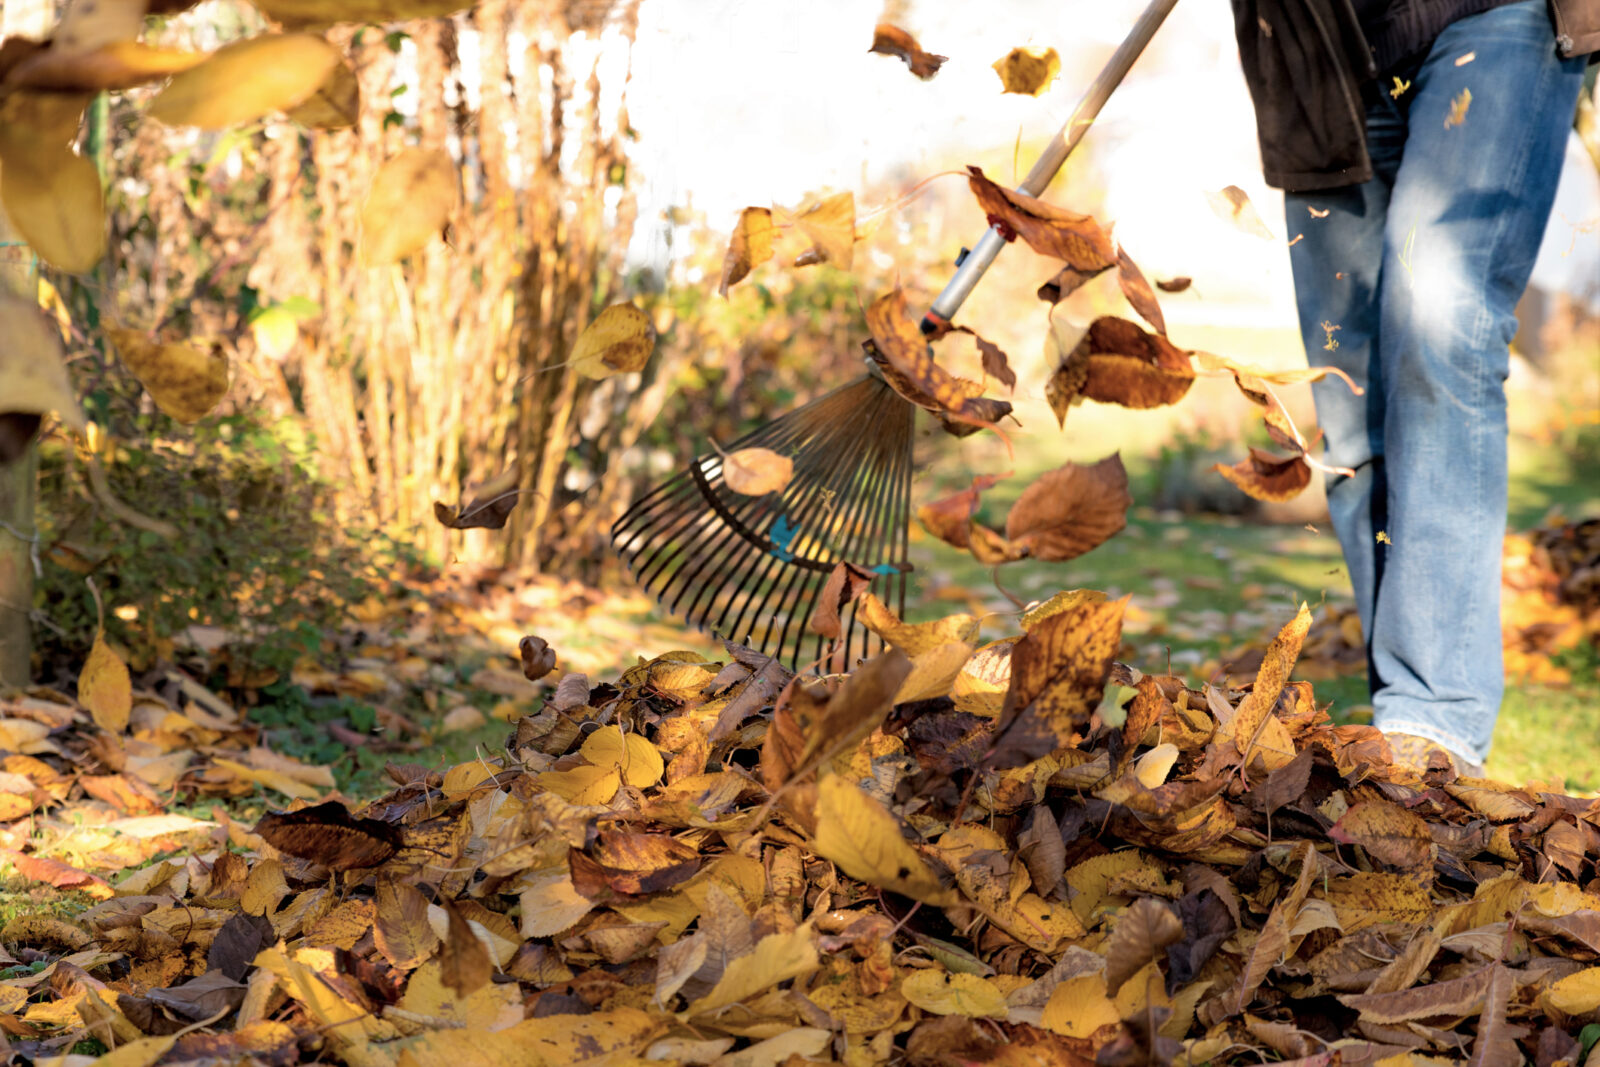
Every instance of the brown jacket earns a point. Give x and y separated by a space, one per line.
1577 26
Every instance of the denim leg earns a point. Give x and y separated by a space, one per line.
1337 256
1465 217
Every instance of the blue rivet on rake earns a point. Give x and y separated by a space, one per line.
886 568
782 536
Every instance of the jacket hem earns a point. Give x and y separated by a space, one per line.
1316 181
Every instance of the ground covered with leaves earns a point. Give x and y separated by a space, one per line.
1024 852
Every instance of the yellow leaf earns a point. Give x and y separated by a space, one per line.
140 1053
756 471
246 80
831 225
1139 993
954 994
53 199
913 638
583 785
618 341
934 672
550 904
1065 600
487 1009
1152 767
1028 71
271 779
319 14
776 958
33 376
275 331
105 688
185 382
113 65
634 758
411 199
335 104
1079 1006
1576 994
801 1043
856 833
748 248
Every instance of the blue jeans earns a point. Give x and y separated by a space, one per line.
1409 285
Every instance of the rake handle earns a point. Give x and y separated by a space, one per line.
977 261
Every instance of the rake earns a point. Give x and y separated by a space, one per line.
753 568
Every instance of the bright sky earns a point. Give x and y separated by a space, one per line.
752 103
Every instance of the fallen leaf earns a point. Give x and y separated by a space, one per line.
328 834
856 833
1141 934
954 994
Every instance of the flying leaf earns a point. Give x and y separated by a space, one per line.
831 225
950 518
51 195
890 40
1265 476
184 381
1174 285
909 367
489 508
748 248
1070 510
1133 368
113 65
856 833
33 372
104 686
618 341
328 834
1232 204
1028 70
335 104
1067 281
1066 348
845 583
1138 291
914 638
1458 109
1077 240
756 471
539 659
246 80
409 201
320 14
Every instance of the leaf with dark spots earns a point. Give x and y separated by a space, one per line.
328 834
632 863
1077 240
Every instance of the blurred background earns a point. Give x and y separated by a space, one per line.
605 151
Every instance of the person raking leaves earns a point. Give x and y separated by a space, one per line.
1418 143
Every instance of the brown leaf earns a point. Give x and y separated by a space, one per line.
908 364
205 997
845 583
620 340
748 248
1265 476
1142 933
632 864
756 471
1388 832
806 725
402 933
831 225
1042 850
56 873
1067 281
1065 387
995 363
104 686
489 508
1138 291
950 518
464 963
1028 71
1174 285
539 659
1131 367
1284 784
890 40
1077 240
1254 709
326 833
1070 510
1058 675
1463 997
185 380
1207 923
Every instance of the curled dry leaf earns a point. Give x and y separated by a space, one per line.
246 80
891 40
950 518
1067 281
1131 367
538 658
411 198
1064 348
831 225
845 583
107 67
748 248
1077 240
909 368
756 471
1175 285
1028 70
328 834
184 381
1232 204
1070 510
1265 476
489 508
618 341
1138 291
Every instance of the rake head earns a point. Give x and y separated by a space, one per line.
752 568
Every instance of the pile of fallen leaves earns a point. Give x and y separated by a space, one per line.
1551 597
1023 852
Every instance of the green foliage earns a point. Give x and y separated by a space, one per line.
294 722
